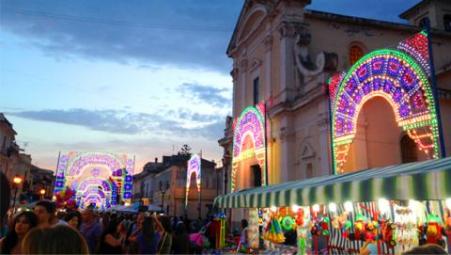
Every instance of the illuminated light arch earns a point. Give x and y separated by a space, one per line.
111 172
194 167
249 126
398 78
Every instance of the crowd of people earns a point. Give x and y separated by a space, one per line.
44 231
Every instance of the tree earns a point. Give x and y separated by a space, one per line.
185 150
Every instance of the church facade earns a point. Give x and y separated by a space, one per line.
283 58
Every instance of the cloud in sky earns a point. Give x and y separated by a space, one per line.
189 33
207 94
133 123
183 33
130 76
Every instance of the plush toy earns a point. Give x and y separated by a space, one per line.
387 233
359 227
347 226
300 217
303 232
273 232
431 231
283 212
321 227
325 226
371 230
288 223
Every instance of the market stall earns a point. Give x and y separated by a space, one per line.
389 209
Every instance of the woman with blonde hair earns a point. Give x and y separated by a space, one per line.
54 240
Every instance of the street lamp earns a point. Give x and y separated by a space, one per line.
42 192
17 180
163 191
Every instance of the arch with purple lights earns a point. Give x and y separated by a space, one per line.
102 179
399 78
194 167
249 139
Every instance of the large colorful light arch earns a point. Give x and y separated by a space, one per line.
249 127
193 168
99 178
398 75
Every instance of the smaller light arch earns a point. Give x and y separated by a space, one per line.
250 125
194 168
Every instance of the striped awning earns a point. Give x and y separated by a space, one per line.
426 180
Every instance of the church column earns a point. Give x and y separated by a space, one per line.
286 150
325 160
243 67
268 74
234 74
287 32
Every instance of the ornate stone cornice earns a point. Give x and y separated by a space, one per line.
289 29
256 63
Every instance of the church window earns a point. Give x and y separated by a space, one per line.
256 90
355 53
447 22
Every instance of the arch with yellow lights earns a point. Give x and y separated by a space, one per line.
249 139
397 76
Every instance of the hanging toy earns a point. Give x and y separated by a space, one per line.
325 226
283 212
347 226
300 217
273 232
371 230
288 223
387 233
433 232
359 227
304 236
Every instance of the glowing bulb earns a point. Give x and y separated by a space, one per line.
295 208
316 207
348 206
448 203
273 209
333 207
384 205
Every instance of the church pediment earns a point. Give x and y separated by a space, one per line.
254 12
251 16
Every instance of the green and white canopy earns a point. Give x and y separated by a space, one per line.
426 180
